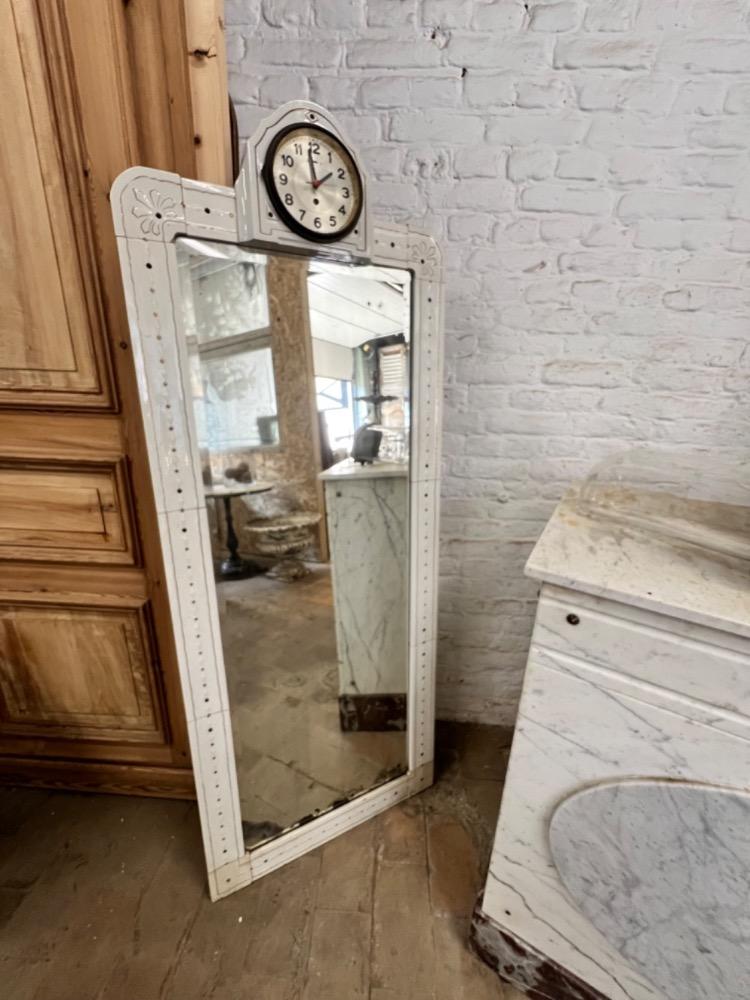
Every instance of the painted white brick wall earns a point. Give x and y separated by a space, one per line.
585 165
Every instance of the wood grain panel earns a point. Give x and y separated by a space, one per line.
98 776
65 513
50 341
76 586
161 99
207 67
84 672
73 437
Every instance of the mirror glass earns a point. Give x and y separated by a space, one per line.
300 383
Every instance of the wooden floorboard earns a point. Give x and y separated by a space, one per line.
104 898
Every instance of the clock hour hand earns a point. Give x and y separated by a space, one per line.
316 184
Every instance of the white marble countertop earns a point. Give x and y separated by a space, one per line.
660 573
349 469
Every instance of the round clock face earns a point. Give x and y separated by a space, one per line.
313 183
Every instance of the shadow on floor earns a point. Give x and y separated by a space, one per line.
103 898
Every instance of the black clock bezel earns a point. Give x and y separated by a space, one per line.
282 211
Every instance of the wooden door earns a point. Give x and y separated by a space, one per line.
89 693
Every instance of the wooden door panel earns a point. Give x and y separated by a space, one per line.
83 672
51 342
65 512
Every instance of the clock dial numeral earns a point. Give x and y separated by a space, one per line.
317 222
341 174
302 213
283 179
288 199
287 160
345 192
342 209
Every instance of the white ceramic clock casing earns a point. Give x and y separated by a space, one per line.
260 220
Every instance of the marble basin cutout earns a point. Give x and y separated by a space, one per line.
662 870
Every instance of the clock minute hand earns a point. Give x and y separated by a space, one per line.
313 180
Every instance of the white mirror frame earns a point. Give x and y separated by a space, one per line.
151 208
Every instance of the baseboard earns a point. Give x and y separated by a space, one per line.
89 776
521 965
372 713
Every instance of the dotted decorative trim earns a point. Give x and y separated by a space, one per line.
151 280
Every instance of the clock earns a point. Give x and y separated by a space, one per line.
313 183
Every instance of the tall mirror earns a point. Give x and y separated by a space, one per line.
299 379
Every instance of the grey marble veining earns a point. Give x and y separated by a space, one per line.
642 569
635 715
662 870
581 726
368 526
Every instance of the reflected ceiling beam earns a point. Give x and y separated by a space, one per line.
326 326
365 321
362 294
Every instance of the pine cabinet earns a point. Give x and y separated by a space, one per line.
89 695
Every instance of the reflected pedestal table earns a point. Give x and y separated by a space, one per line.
234 567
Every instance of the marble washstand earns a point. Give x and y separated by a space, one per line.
368 528
621 864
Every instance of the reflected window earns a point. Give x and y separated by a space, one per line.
225 310
334 401
239 396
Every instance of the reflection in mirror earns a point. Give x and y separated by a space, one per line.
301 392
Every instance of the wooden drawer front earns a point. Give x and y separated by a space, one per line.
71 672
699 663
65 513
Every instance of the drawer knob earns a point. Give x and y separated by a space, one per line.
572 619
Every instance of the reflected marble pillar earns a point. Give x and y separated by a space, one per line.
368 516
